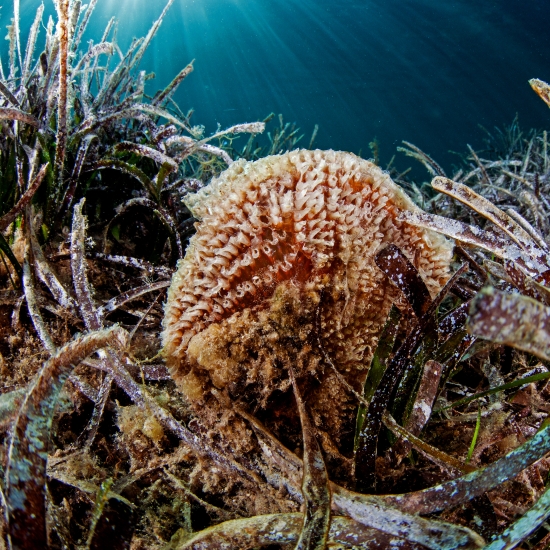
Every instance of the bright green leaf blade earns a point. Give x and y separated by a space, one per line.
474 438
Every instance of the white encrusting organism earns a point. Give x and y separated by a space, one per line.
312 219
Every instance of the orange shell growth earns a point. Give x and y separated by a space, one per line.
311 219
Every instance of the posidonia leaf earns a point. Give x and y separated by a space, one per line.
487 209
454 340
532 255
365 465
164 171
377 368
509 386
32 306
472 235
527 285
452 322
77 36
435 455
112 81
425 397
94 51
144 151
523 527
542 89
9 113
130 295
130 169
415 152
4 90
421 409
28 447
404 276
284 529
10 216
216 151
79 267
62 7
533 202
164 216
315 484
511 319
46 273
171 88
371 511
465 488
82 152
5 248
33 34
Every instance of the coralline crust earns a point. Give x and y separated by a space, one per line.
282 264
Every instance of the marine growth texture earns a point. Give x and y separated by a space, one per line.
282 264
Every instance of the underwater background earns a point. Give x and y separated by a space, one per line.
99 176
425 71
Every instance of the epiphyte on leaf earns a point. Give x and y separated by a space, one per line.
282 263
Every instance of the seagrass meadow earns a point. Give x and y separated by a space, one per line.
236 341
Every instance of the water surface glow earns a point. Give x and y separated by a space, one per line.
422 70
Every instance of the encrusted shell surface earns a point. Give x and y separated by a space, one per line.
311 219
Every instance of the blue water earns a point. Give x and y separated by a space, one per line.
426 71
